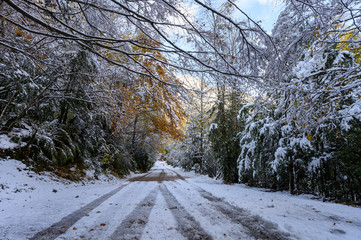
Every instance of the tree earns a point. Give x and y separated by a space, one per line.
196 145
235 51
302 115
231 91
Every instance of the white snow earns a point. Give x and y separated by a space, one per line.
279 155
213 126
301 216
162 224
21 72
6 143
28 204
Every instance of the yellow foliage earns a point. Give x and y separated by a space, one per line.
348 46
151 100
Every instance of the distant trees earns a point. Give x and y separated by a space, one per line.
193 150
236 52
242 55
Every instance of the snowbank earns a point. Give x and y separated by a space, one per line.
25 196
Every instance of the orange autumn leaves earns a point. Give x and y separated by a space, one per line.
151 99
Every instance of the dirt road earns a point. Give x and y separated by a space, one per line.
160 204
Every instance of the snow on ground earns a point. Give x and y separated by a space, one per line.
103 221
30 203
301 216
6 139
162 224
5 142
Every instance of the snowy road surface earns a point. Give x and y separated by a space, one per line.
161 204
167 203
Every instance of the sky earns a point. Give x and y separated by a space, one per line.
266 11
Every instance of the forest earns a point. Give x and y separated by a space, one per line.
102 84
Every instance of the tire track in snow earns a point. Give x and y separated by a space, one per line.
257 226
161 223
139 178
133 225
219 225
179 176
66 222
187 225
110 213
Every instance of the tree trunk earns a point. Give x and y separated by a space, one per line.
134 132
291 179
2 21
7 105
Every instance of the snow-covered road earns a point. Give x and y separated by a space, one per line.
167 203
160 204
